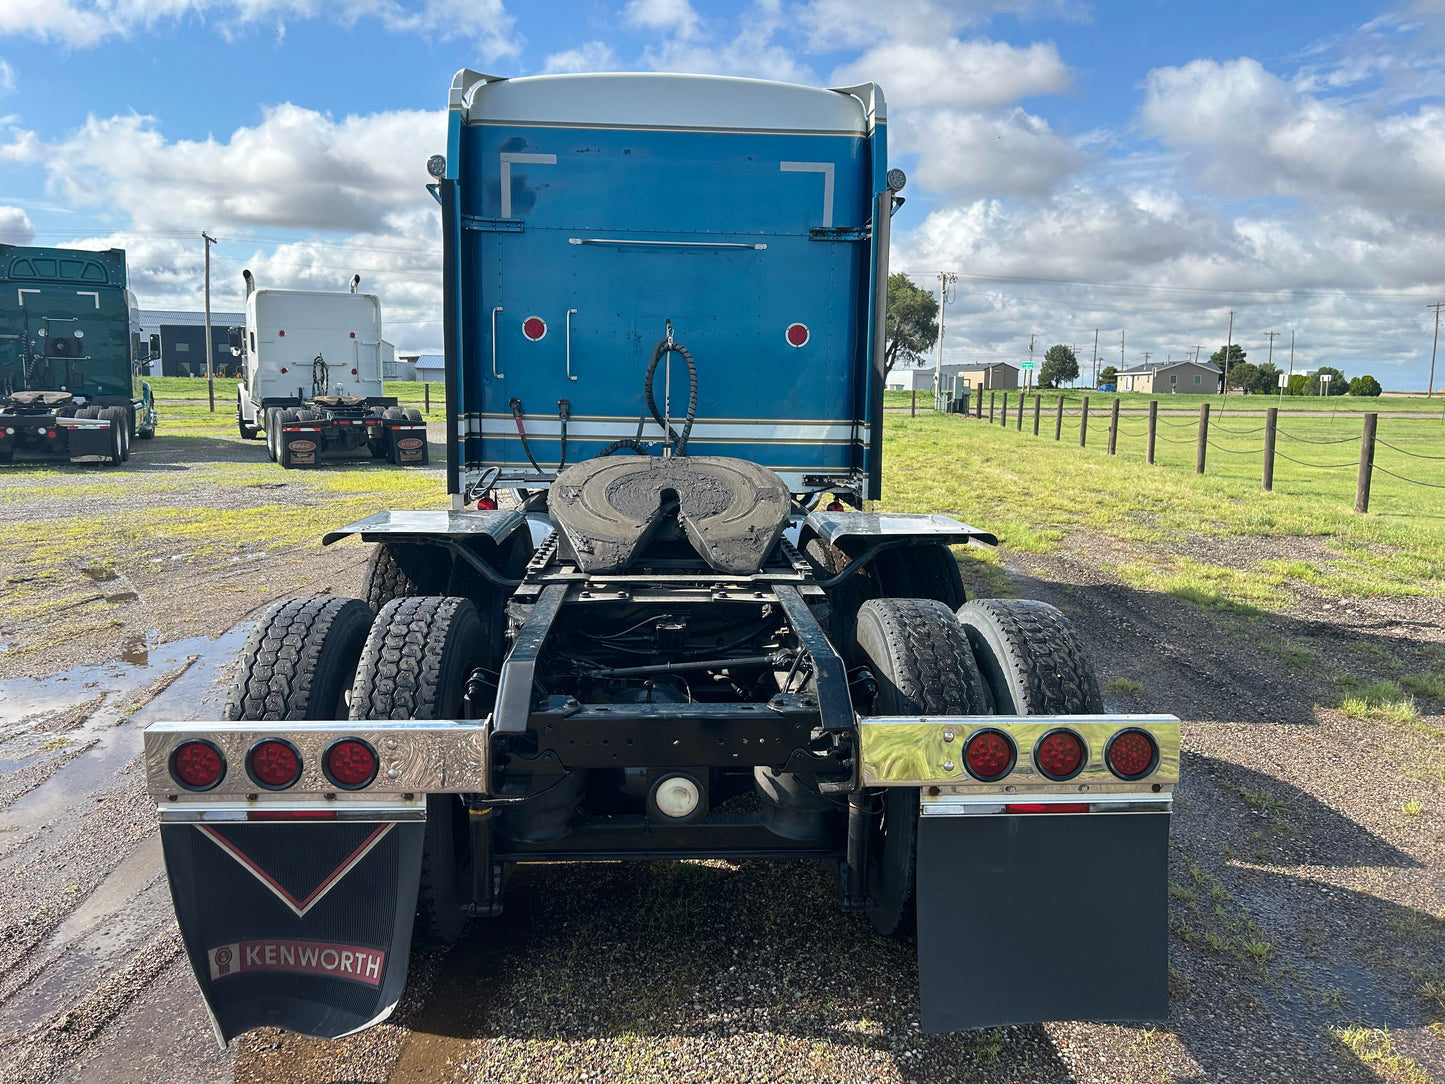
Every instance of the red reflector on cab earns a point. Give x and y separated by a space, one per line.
797 335
487 504
1048 807
353 372
283 368
197 765
1131 754
835 506
534 328
989 755
273 764
290 814
350 763
1060 755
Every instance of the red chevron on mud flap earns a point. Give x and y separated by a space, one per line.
291 894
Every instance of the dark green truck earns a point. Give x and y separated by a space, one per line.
70 356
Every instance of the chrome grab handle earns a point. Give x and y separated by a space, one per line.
570 314
664 244
497 375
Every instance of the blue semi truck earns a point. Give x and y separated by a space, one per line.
70 356
657 621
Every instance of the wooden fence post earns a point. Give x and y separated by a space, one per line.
1020 425
1153 427
913 405
1038 406
426 391
1203 438
1059 418
1003 414
1114 426
1367 464
992 396
1084 422
1271 418
978 405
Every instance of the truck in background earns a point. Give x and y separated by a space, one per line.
312 378
688 638
70 356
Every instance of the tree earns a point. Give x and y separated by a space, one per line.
1365 385
1338 385
1108 375
1299 384
1059 365
1266 380
1242 375
1236 356
912 325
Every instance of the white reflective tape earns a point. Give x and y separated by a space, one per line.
826 169
508 157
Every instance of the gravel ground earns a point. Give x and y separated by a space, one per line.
1307 907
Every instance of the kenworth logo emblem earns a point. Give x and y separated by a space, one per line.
306 957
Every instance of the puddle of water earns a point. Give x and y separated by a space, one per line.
136 650
197 694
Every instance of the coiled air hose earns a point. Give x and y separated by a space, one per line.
564 411
320 376
664 346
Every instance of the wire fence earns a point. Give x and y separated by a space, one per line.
1210 436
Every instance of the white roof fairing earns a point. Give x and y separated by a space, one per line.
665 100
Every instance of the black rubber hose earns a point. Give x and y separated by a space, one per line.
516 405
564 411
320 372
664 346
626 443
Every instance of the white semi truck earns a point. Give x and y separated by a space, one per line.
312 378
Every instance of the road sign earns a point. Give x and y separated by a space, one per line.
1026 365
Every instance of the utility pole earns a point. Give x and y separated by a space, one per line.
210 352
1147 355
1197 348
1121 349
1291 357
1096 357
945 280
1228 350
1270 335
1030 374
1430 388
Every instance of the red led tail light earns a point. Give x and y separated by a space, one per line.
1060 755
273 764
197 765
989 755
350 763
1131 754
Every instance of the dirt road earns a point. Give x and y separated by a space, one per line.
1307 900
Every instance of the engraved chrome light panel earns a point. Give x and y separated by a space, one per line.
415 756
921 751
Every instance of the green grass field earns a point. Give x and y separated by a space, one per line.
174 389
1035 494
1234 402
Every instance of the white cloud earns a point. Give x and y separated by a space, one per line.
847 24
1248 132
7 77
84 23
15 228
593 56
296 169
972 74
672 16
752 52
1009 152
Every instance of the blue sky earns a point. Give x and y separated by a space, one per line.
1138 165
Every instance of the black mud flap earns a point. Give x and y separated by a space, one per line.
81 442
305 927
1027 918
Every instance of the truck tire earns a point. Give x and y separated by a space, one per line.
932 573
248 431
117 440
413 415
299 661
405 570
920 655
415 666
119 418
1030 658
272 425
283 452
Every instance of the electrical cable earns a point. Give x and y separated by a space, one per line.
516 405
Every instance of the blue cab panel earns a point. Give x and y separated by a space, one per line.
584 215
